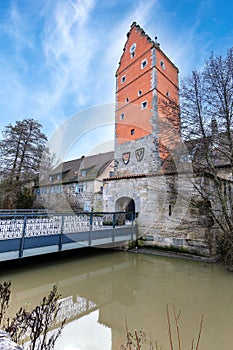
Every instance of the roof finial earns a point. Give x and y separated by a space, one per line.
156 41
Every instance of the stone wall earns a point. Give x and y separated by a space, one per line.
143 156
68 199
168 215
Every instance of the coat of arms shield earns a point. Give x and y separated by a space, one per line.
139 153
125 157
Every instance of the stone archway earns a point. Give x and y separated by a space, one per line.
125 204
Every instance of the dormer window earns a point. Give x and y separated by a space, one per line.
123 79
144 63
132 50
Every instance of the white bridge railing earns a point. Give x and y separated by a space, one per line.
29 224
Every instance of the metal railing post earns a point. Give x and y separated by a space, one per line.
113 226
132 219
61 233
90 231
23 237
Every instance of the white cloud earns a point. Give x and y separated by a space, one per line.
112 44
67 46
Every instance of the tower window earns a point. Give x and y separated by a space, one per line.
132 131
162 64
167 94
122 116
144 63
127 100
169 210
139 92
144 105
132 50
123 79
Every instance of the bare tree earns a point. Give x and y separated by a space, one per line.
206 103
34 328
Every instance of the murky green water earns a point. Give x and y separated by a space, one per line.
102 289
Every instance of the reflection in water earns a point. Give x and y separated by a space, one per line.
101 289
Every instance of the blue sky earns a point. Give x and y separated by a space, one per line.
59 57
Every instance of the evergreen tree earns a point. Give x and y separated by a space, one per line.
21 149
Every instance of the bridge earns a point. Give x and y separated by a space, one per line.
30 233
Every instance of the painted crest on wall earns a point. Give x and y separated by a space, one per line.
125 157
139 153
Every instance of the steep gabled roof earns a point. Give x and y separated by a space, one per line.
139 29
81 169
143 34
95 165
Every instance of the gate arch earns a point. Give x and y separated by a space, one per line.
125 204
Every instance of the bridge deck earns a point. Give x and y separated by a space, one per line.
24 234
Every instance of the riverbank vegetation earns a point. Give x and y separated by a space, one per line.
31 327
139 340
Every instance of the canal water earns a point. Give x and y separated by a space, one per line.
102 290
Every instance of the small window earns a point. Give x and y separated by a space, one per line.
83 172
169 210
132 50
144 63
162 64
132 131
123 79
168 94
122 116
139 92
79 188
43 190
55 189
144 105
127 100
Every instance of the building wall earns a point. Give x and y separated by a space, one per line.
166 218
98 183
145 75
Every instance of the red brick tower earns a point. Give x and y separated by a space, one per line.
144 78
